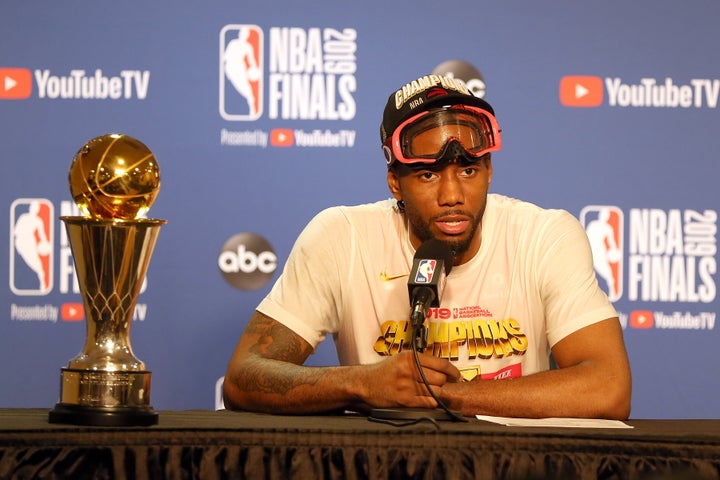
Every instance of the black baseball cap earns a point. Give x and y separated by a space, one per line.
422 94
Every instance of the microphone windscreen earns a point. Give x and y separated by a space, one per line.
435 249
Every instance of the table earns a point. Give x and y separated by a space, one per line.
207 444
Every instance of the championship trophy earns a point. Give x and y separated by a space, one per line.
114 180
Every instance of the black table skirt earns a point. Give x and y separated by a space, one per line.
238 445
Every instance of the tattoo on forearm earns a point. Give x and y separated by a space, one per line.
278 378
274 343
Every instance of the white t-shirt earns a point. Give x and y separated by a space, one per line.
531 284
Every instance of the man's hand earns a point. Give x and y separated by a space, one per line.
396 381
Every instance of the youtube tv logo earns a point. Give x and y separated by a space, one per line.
282 137
642 319
72 312
581 91
15 83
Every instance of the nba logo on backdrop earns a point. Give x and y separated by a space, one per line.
31 246
241 72
604 227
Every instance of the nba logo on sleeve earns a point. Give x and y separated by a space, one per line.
241 72
425 271
604 227
31 246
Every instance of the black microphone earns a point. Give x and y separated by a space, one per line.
431 265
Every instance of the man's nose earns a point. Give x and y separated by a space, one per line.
450 189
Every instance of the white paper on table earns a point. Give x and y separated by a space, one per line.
555 422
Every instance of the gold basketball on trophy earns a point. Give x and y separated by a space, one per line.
114 176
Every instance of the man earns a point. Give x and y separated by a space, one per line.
522 284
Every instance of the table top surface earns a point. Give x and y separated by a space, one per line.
35 420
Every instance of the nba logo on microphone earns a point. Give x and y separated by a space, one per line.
241 72
604 227
31 246
425 271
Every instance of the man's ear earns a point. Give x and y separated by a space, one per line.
394 184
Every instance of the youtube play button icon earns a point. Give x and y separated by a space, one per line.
581 91
15 83
72 312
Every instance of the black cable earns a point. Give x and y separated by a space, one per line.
406 423
419 340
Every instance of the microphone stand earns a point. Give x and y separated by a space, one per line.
419 332
413 415
420 344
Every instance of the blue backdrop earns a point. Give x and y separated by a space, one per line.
261 114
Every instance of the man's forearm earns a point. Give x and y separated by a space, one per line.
274 386
593 381
266 374
570 392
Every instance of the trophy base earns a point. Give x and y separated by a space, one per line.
103 416
104 398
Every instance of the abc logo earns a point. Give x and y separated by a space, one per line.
247 261
465 71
